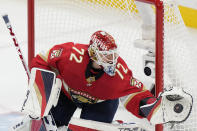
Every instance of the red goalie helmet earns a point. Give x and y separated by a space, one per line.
103 50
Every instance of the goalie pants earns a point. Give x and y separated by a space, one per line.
103 111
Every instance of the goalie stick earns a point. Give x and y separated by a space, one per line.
16 44
8 24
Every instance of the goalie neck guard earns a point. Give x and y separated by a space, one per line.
103 50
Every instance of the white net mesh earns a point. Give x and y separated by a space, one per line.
59 21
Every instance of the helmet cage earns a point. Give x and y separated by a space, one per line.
107 59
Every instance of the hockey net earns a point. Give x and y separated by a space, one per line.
59 21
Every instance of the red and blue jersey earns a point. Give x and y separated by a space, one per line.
70 61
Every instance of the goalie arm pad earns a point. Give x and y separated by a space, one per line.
172 106
43 93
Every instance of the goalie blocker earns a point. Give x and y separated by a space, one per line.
43 93
44 90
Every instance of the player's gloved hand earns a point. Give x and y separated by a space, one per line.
173 106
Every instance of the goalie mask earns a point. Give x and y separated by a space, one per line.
103 50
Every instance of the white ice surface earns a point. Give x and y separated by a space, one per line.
13 79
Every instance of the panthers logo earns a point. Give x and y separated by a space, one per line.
56 53
82 97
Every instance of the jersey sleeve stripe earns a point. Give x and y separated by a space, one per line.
44 56
130 97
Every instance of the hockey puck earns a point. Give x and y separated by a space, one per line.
147 71
178 108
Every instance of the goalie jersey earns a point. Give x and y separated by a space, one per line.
71 63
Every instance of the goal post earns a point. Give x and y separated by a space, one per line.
159 43
53 22
31 35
